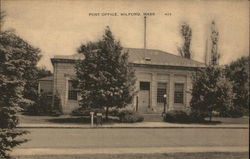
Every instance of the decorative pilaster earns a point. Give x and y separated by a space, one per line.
171 92
153 92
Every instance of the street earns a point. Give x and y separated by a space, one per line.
134 138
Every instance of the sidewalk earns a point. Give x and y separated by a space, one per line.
133 125
144 150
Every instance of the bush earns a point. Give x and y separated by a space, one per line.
57 108
196 117
232 113
129 116
55 113
42 105
177 116
114 112
86 111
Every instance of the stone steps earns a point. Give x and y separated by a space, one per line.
152 117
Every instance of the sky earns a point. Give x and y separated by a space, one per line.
60 27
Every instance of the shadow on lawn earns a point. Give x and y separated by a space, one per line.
206 122
80 120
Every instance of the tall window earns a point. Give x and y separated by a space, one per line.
179 93
72 92
161 90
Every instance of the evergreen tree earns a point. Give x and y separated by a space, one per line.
16 58
186 33
105 78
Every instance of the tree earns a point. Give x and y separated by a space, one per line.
238 73
211 92
32 77
16 58
2 15
186 33
43 72
215 56
104 77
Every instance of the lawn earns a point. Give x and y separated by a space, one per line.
68 119
63 119
242 120
205 155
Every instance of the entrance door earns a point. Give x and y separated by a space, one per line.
144 97
161 91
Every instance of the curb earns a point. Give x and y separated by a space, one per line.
128 127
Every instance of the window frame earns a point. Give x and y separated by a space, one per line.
72 92
178 93
160 96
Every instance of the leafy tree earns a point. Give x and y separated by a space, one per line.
238 73
31 74
186 33
211 92
43 72
32 78
16 58
105 78
2 15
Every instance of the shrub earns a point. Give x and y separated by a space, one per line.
86 111
114 112
42 105
197 117
176 116
232 113
55 113
57 107
129 116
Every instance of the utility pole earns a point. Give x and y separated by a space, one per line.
145 37
145 33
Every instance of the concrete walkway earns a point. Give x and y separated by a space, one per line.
134 125
144 150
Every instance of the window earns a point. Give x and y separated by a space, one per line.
178 93
161 90
144 85
72 92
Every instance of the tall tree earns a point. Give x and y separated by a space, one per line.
186 33
215 56
105 77
16 58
